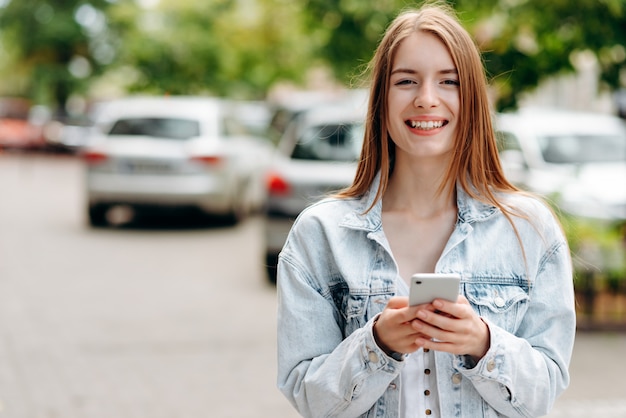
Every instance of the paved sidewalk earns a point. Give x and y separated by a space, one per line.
598 370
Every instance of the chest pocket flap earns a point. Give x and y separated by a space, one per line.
504 305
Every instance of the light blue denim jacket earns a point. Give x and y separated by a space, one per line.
336 273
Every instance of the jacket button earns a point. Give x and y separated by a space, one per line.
456 378
372 356
499 302
491 365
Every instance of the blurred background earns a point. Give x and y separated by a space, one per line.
154 153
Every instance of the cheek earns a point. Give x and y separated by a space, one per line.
395 110
393 129
453 100
398 100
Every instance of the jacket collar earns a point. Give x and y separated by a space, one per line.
469 210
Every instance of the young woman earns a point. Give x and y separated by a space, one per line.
429 196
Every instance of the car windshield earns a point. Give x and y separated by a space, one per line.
168 128
333 142
581 149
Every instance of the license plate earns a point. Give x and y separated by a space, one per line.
145 167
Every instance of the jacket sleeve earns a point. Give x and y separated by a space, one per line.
522 374
321 373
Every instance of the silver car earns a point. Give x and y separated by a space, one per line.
576 158
173 152
317 154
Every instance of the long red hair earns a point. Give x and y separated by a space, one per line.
476 165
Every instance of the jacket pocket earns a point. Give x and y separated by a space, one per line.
503 305
357 306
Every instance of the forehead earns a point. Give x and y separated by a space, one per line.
422 50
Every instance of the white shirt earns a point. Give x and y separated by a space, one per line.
419 396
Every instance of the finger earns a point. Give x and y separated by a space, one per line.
458 309
463 300
435 344
391 329
431 323
402 312
429 335
398 302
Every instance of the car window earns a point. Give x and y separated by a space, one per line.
580 149
336 142
168 128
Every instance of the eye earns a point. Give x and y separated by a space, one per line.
405 82
451 82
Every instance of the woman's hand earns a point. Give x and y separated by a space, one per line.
452 327
393 330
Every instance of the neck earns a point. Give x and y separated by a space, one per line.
420 190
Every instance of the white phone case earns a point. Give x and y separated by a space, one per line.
425 287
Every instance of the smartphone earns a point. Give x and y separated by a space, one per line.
426 287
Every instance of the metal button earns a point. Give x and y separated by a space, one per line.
456 378
499 302
372 356
491 365
426 392
427 371
428 412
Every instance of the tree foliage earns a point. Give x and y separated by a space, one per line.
523 41
242 47
53 44
527 41
219 47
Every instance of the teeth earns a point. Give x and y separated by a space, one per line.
431 124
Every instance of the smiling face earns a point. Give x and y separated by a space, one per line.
423 99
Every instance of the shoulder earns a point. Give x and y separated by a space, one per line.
329 222
526 203
534 212
328 212
317 239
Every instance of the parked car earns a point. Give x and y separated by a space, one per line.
288 106
174 152
316 154
578 159
254 115
22 124
70 135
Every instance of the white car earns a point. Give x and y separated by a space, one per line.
174 152
578 159
316 154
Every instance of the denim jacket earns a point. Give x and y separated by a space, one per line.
336 273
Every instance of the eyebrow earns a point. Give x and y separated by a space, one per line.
410 71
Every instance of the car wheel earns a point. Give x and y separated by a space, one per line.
271 261
98 215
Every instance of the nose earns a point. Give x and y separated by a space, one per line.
426 96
